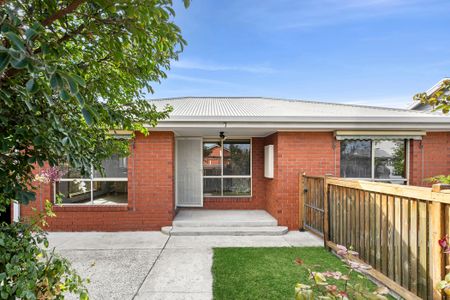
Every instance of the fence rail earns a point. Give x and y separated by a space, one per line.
394 228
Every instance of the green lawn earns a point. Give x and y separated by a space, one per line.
268 273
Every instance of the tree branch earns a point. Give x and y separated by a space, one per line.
61 13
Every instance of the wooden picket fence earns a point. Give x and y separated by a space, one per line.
394 228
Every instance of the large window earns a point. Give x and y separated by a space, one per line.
377 160
227 168
110 188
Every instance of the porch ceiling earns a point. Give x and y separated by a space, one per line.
214 131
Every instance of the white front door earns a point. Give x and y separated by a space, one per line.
188 172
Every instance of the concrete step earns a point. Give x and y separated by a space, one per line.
225 223
223 230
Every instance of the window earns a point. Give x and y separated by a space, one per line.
227 168
377 160
110 188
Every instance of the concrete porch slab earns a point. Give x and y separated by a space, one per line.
230 218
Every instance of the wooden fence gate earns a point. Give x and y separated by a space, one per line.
312 191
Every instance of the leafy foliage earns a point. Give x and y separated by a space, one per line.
325 285
445 179
440 99
71 71
28 270
444 285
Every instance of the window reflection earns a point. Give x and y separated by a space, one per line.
356 159
212 159
236 158
389 159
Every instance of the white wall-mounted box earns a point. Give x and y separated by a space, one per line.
268 161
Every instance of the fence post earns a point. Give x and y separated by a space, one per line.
436 256
301 201
326 214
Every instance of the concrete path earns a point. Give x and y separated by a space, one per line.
151 265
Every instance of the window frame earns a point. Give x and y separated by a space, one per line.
91 181
222 176
372 163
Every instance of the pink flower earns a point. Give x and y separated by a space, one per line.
342 250
443 242
331 288
50 175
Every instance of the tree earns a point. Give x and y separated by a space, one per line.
439 99
70 72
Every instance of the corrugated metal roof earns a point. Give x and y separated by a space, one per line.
220 108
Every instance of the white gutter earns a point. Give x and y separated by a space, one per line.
389 123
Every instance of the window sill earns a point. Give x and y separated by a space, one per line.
78 207
227 198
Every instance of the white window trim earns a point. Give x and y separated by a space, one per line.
372 162
91 181
250 140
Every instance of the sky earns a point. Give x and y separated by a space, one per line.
368 52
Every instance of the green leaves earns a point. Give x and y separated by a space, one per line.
87 116
31 86
439 99
32 271
25 196
56 81
15 40
4 61
20 63
68 84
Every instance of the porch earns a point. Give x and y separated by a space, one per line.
193 222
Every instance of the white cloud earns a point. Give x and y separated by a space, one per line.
214 67
198 79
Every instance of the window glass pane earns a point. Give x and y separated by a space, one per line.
212 159
73 173
74 191
390 159
236 158
356 159
212 186
110 192
115 167
236 187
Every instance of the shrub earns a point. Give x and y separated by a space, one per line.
29 269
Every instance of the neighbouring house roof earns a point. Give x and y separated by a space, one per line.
426 107
287 114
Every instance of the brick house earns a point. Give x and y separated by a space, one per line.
247 153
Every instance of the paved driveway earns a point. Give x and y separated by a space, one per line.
150 265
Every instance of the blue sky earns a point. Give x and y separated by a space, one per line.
374 52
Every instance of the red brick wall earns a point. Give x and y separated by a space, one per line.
297 152
271 185
150 193
429 157
257 201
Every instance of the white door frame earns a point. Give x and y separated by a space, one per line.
200 139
